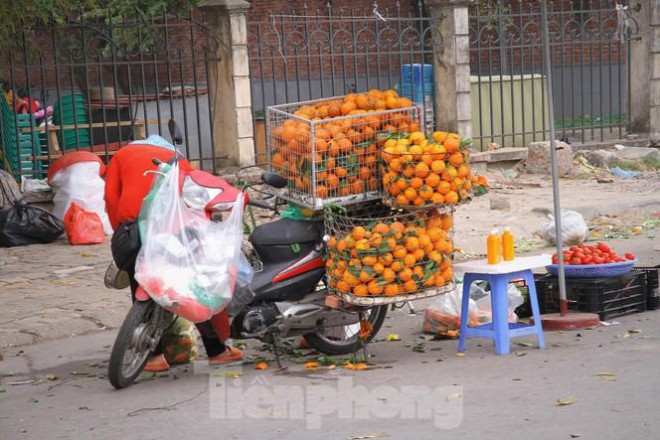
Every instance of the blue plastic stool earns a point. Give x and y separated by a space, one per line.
500 330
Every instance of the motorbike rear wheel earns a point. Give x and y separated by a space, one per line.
344 339
138 336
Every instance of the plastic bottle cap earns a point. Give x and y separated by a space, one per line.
493 232
507 229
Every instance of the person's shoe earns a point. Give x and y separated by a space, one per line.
231 354
157 364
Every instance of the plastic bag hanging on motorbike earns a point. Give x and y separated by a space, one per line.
188 264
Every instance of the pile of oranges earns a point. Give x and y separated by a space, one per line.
330 148
390 257
421 172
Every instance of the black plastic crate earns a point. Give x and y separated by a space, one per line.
652 286
609 297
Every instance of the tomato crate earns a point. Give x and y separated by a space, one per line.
610 297
329 149
652 286
377 255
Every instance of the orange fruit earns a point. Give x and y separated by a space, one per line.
359 233
396 266
426 192
365 276
439 280
343 286
375 288
321 191
452 142
410 286
350 279
395 165
360 290
411 244
456 158
437 199
409 260
438 166
418 201
378 268
405 274
369 260
400 252
381 228
386 259
347 107
364 173
419 254
422 170
410 194
440 136
447 221
389 275
432 180
443 187
391 290
462 170
408 171
332 181
401 200
416 183
451 198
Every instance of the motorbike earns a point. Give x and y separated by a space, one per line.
285 298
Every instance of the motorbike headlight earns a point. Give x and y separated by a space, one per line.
196 196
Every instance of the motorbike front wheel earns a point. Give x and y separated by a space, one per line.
138 336
344 339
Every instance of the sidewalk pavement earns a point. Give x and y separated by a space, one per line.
56 290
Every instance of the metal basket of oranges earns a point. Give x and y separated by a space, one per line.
377 255
419 173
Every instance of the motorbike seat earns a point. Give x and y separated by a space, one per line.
285 232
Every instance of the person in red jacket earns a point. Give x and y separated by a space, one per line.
126 185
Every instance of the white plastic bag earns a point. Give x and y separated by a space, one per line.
574 229
80 183
188 264
443 316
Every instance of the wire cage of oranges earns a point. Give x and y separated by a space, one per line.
329 149
420 172
377 255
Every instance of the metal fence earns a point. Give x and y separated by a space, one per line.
590 47
103 83
310 54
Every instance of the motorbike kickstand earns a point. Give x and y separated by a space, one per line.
275 341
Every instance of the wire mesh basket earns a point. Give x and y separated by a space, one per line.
422 173
330 158
377 255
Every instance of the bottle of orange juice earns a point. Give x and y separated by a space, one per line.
508 246
494 247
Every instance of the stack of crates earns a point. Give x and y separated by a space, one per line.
21 143
417 84
652 275
609 297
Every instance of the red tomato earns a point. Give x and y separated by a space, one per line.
588 260
576 261
630 256
555 259
598 260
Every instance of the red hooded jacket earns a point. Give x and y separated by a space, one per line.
125 182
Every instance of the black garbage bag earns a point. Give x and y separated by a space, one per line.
22 224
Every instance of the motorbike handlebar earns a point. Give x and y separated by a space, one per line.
260 204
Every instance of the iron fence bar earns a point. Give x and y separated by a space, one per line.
283 53
600 76
42 76
143 79
522 76
355 52
308 52
115 79
609 71
321 72
212 110
184 105
159 114
194 73
14 106
561 58
169 69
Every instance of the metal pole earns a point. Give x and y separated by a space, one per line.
563 304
